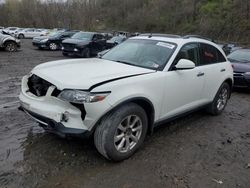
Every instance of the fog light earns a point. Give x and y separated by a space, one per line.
75 49
65 117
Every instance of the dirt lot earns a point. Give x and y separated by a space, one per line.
196 151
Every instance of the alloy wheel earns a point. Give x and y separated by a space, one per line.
128 133
222 100
53 46
11 47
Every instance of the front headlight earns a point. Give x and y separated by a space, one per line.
44 40
78 96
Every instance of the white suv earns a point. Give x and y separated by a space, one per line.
123 95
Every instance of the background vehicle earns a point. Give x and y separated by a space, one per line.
11 30
30 33
53 42
115 41
241 64
135 86
84 44
9 43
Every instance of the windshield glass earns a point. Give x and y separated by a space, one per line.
117 39
83 36
143 53
55 34
240 55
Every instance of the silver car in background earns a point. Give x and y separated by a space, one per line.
9 43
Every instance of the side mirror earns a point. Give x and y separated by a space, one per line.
184 64
102 53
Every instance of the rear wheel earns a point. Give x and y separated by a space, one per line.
21 36
122 132
220 101
53 46
10 46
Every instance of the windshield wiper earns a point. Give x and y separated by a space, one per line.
125 62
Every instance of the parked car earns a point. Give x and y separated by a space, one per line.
119 98
115 41
84 44
241 64
53 42
30 33
11 30
9 43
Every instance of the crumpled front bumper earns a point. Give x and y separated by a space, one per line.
60 116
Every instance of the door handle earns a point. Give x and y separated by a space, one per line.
200 74
223 70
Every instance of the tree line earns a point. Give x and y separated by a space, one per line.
220 19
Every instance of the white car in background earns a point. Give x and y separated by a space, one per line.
121 96
10 30
30 33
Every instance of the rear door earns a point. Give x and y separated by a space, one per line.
214 66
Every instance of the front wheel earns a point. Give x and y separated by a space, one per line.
220 101
85 53
53 46
11 46
121 132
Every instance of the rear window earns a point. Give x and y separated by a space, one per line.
210 55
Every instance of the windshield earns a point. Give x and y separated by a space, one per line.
55 34
117 39
143 53
82 36
240 55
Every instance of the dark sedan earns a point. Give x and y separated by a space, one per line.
84 44
241 63
53 42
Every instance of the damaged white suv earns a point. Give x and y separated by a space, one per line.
123 95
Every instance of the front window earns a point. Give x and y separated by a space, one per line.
240 55
142 53
83 36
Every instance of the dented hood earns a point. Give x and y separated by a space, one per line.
85 73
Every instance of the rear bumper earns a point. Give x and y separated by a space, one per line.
54 127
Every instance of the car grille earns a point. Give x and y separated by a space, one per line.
38 86
68 47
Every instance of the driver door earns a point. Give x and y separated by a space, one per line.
183 88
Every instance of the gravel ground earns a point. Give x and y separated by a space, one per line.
196 151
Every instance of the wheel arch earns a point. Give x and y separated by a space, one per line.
8 40
143 102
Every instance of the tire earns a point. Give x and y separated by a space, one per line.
220 101
10 46
53 46
65 54
21 36
113 126
85 53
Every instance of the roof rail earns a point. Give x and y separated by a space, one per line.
198 36
160 35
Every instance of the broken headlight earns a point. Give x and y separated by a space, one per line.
79 97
